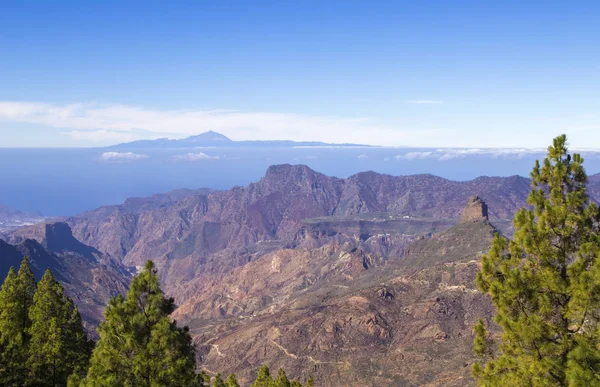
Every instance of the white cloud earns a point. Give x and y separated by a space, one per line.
106 124
363 156
459 153
116 123
100 136
196 157
425 102
311 157
122 156
451 154
415 156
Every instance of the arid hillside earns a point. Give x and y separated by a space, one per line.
360 281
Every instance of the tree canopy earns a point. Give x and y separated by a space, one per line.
232 381
545 284
139 344
16 297
58 344
42 340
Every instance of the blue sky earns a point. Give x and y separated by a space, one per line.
402 73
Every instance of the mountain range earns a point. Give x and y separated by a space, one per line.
214 139
366 280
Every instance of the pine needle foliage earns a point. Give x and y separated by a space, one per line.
545 284
58 344
42 341
16 297
218 382
282 379
232 381
263 379
139 344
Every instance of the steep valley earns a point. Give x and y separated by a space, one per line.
347 316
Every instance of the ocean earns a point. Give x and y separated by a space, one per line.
59 182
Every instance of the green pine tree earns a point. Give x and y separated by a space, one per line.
218 382
59 346
282 379
139 344
263 379
232 381
27 287
204 379
545 285
16 298
310 382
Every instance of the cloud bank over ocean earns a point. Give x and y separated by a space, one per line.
195 157
122 156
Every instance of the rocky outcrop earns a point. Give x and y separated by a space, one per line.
475 211
58 238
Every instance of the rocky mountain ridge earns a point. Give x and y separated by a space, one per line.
360 281
201 233
291 206
273 207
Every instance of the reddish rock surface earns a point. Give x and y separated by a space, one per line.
360 281
476 210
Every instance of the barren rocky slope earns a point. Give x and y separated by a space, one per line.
348 317
87 276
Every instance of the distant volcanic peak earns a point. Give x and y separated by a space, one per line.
210 136
475 210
